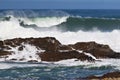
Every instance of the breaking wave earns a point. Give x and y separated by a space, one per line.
67 23
45 21
90 23
61 19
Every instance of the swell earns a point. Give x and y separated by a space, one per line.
67 23
90 23
63 19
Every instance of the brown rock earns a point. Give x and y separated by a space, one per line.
97 50
32 61
57 56
1 43
13 59
47 43
3 53
55 51
22 59
65 47
21 48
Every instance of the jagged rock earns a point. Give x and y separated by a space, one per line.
97 50
48 43
55 51
57 56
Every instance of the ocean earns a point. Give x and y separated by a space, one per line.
67 26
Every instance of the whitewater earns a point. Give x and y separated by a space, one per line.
12 29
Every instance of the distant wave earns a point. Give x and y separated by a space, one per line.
72 23
45 21
90 23
42 18
62 19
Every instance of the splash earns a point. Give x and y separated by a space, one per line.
26 53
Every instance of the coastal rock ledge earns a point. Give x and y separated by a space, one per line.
50 49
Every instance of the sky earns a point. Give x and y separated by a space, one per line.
59 4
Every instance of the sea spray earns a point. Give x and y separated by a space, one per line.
27 53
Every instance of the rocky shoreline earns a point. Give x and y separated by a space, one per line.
53 50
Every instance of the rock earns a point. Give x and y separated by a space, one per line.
7 18
22 59
97 50
22 23
65 47
21 48
55 51
32 61
1 43
3 53
48 43
13 59
57 56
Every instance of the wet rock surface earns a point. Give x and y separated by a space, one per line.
97 50
55 51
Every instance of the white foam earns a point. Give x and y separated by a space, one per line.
45 21
64 50
69 62
28 53
109 38
10 29
102 62
90 55
7 65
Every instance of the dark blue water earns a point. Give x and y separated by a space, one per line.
74 12
95 13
